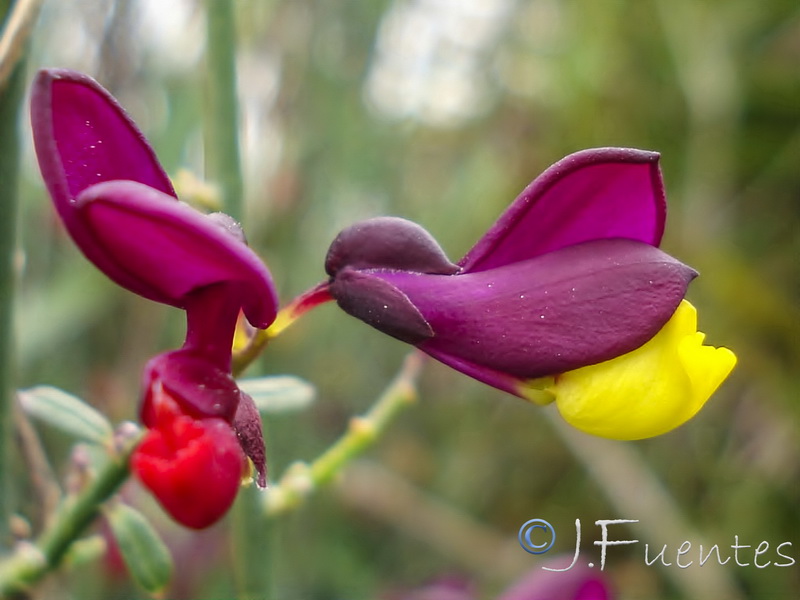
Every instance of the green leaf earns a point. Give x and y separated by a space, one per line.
146 556
66 412
279 393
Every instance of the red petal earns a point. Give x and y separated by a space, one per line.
192 467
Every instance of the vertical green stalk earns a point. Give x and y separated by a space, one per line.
223 164
252 546
10 99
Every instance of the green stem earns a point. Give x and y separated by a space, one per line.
10 99
30 563
301 479
223 164
252 546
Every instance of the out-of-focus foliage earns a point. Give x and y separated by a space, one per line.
442 111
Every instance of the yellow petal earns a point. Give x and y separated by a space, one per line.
648 391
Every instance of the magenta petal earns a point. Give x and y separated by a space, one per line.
83 137
165 250
592 194
578 306
201 389
576 582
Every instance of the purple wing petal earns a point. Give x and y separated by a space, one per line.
592 194
83 137
578 306
165 250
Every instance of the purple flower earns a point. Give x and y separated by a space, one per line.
577 583
121 210
549 581
569 276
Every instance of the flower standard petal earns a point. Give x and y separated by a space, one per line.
170 250
83 136
592 194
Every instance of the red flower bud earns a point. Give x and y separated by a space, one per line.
192 466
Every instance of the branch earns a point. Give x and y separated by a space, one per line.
301 479
31 562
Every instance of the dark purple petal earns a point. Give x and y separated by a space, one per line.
592 194
387 243
247 424
83 137
380 304
496 379
578 306
166 250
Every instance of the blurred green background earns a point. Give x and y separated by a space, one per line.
441 111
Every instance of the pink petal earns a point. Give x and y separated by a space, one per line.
592 194
577 582
165 250
83 137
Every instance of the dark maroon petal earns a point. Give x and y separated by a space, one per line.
247 425
200 388
496 379
83 136
166 250
379 304
592 194
387 243
578 306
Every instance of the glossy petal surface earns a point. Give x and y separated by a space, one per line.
170 249
592 194
578 306
83 136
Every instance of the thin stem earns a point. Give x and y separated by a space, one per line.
17 25
301 479
223 164
30 563
286 317
252 550
10 100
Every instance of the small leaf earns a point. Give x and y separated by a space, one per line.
66 412
146 556
278 393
